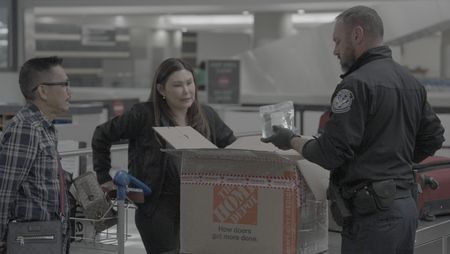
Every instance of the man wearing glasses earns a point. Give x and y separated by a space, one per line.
29 161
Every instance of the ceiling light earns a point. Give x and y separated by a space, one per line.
193 20
119 21
314 17
184 20
46 20
301 11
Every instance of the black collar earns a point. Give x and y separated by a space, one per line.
369 56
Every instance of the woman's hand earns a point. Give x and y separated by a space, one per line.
108 186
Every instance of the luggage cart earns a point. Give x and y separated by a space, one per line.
122 179
97 215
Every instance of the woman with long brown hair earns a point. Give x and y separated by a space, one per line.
173 102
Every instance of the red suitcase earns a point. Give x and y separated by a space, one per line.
433 177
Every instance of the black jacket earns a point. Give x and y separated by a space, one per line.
145 159
381 123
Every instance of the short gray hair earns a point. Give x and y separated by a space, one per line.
365 17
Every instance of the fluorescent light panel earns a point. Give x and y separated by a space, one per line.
215 20
210 20
186 20
314 17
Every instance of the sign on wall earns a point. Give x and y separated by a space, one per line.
223 81
98 36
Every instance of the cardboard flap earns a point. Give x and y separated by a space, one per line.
254 143
182 137
197 154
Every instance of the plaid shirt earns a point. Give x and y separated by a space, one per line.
29 179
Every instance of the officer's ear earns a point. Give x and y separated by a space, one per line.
357 35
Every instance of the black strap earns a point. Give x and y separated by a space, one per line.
61 187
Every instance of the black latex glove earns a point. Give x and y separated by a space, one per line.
281 137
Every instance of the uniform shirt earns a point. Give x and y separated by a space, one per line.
380 124
29 173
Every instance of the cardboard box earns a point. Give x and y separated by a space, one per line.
245 201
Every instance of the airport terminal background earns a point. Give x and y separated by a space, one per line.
271 52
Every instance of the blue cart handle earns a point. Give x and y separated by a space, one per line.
122 179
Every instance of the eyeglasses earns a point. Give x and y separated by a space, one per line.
62 83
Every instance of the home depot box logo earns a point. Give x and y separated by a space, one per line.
235 204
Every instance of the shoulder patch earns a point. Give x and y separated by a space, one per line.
342 102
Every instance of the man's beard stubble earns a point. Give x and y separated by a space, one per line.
348 60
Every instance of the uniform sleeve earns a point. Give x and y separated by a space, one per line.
430 135
222 134
344 131
127 126
18 149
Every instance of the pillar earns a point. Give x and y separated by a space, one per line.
271 26
445 54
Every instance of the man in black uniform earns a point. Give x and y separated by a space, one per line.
380 124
